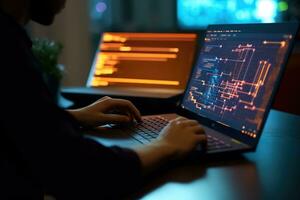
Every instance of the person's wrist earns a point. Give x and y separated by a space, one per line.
76 115
166 149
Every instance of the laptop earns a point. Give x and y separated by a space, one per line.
153 65
230 90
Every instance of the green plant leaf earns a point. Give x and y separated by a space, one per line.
48 52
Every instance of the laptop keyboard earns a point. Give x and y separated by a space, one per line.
150 127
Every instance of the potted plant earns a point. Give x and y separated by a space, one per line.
47 52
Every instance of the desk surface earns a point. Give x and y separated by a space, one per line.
272 172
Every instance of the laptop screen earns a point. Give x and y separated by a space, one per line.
238 67
154 60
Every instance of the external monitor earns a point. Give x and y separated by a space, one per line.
152 60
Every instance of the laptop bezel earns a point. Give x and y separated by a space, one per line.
231 132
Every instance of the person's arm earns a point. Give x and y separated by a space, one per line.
60 160
50 153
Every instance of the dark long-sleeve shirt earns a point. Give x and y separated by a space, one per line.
42 148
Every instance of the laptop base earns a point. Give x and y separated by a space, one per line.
115 135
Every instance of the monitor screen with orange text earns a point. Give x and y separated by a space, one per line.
156 60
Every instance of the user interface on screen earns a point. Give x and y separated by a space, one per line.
235 74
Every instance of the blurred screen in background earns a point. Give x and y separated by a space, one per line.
195 14
183 15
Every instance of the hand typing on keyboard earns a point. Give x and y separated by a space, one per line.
175 141
106 111
183 135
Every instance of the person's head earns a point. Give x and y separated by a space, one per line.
44 11
40 11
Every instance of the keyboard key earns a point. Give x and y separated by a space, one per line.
140 138
149 129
